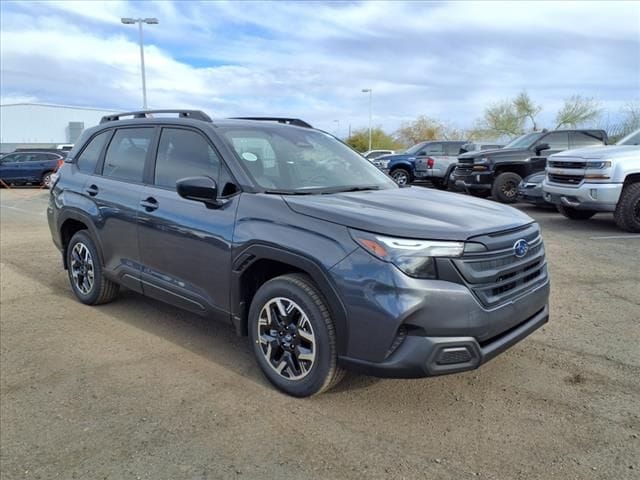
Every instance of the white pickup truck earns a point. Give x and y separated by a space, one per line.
584 182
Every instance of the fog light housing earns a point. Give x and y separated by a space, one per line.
594 193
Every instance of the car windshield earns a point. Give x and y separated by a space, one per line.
413 150
291 160
632 139
525 141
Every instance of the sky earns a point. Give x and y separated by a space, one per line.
311 60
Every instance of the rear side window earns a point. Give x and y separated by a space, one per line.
89 157
556 140
584 139
184 153
452 148
126 154
434 149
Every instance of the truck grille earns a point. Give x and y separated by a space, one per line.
464 167
565 179
559 164
498 276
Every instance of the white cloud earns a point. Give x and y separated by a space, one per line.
312 59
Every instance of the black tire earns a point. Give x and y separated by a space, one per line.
46 180
401 176
627 213
438 183
480 193
298 293
575 214
505 187
101 289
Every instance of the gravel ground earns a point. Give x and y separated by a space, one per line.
139 390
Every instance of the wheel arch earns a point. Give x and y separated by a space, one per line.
71 222
519 169
632 178
260 263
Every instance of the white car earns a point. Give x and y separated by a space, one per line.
373 154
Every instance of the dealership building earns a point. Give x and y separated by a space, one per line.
38 125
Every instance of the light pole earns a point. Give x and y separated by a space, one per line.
140 21
369 91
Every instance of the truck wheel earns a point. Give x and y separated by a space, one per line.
505 187
575 214
401 176
627 213
480 193
439 183
293 336
85 272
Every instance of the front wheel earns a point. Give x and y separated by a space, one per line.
293 336
627 213
575 214
401 176
505 187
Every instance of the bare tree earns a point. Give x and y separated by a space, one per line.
421 129
576 111
500 119
631 116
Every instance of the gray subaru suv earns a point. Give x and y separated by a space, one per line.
299 243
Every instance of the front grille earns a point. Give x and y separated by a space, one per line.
558 164
565 179
464 167
498 276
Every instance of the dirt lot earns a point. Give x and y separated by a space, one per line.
136 389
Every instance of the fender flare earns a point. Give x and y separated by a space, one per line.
78 215
317 272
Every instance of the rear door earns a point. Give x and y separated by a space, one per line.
116 191
584 140
185 247
9 166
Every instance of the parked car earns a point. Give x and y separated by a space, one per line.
498 172
530 190
425 161
373 154
295 239
584 182
34 167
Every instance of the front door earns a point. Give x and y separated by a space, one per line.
185 247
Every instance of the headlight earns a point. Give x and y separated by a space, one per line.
481 160
598 164
413 257
382 163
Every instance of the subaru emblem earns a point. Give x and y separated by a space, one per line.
520 248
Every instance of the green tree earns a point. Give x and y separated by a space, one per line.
526 108
577 111
500 119
359 140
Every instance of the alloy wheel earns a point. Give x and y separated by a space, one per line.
82 269
286 338
400 178
509 189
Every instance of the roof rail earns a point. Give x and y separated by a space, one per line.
289 121
195 114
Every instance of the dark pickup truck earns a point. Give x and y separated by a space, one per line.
498 172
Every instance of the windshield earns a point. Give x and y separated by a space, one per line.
297 160
632 139
525 141
415 149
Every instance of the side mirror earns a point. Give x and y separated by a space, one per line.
540 147
201 189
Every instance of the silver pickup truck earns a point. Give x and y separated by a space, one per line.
584 182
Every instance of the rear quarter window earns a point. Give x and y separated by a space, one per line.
88 159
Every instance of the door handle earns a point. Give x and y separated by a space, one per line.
149 204
92 190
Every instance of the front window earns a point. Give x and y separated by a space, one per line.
415 149
632 139
292 160
524 141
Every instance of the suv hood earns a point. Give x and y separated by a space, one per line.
597 152
395 156
412 212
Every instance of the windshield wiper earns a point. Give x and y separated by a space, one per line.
359 188
289 192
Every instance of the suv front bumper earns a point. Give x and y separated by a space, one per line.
600 197
404 327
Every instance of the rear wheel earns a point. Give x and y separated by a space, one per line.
627 213
505 187
85 271
46 180
575 214
293 336
401 176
